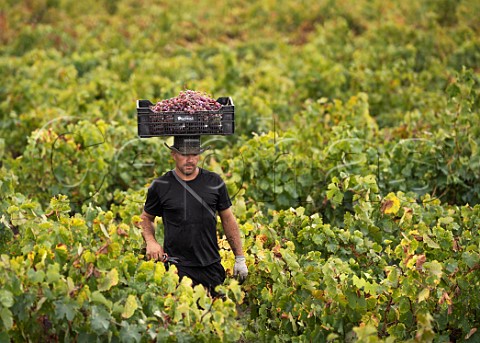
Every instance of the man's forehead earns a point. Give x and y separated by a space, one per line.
185 155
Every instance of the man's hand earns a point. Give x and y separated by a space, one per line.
155 251
240 269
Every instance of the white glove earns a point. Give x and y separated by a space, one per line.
240 268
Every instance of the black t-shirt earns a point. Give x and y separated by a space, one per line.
190 229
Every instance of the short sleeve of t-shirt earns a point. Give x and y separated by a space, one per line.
224 201
153 204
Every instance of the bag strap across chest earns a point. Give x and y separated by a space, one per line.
193 193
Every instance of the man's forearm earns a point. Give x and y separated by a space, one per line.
154 249
230 227
148 228
235 241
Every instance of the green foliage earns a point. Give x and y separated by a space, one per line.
72 277
395 270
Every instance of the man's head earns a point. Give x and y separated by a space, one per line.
186 163
186 152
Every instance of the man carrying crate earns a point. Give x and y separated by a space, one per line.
188 198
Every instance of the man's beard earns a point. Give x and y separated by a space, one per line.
186 171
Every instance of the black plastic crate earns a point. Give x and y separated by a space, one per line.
154 124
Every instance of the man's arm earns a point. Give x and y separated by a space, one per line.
154 249
231 230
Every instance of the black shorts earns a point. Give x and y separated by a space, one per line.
209 276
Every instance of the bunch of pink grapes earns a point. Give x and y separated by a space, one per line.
187 101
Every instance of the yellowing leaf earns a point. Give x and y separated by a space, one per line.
104 230
158 273
390 204
358 282
318 294
300 211
109 280
130 306
83 295
423 295
428 241
234 287
434 269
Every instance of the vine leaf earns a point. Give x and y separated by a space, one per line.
390 204
109 280
423 295
130 306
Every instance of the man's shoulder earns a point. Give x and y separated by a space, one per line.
208 175
167 176
162 180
